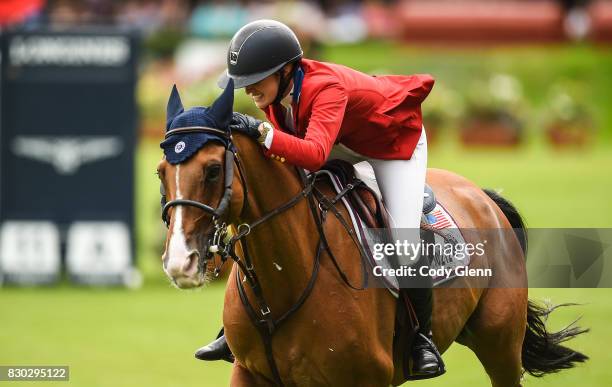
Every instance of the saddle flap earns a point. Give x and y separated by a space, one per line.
364 200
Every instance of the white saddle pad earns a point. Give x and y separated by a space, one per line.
439 218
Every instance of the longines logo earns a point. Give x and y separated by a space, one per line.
40 50
67 154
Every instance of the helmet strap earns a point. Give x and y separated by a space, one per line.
283 84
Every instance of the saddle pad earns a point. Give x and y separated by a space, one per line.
445 258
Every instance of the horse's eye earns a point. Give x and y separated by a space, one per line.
213 172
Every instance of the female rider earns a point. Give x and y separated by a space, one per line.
315 107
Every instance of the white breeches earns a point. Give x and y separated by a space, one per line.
401 182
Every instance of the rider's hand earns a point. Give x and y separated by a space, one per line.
246 124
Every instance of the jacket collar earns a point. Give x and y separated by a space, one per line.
298 78
296 89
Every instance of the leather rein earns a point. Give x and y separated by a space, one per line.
224 244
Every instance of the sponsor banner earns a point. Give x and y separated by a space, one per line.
67 137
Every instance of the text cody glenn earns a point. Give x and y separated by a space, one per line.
409 271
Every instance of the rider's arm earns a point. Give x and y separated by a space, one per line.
310 153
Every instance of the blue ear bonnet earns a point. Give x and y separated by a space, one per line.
181 146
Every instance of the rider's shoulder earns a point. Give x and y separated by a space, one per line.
320 75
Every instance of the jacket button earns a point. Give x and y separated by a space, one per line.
282 159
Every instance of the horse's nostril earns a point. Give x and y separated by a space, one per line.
191 263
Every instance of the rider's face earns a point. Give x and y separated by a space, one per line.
264 91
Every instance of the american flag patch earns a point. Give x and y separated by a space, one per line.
440 218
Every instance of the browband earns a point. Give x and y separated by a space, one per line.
197 129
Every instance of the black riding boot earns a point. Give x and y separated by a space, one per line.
217 350
426 360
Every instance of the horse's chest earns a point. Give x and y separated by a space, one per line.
305 357
324 343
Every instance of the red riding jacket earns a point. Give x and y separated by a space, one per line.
378 117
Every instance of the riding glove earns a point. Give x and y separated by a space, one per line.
246 124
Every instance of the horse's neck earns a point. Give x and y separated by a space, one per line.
282 248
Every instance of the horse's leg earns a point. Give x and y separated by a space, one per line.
241 377
496 333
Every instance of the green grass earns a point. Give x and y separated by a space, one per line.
147 337
114 337
550 188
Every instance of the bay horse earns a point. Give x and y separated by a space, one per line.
327 333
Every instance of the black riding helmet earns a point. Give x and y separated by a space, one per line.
258 50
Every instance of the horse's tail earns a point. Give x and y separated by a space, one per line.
513 216
542 351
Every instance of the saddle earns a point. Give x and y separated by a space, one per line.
364 200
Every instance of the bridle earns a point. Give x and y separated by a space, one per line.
222 243
220 227
230 156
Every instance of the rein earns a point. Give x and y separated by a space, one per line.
225 246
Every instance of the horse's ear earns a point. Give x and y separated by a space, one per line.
223 107
175 106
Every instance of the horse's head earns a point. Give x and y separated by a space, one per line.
196 176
